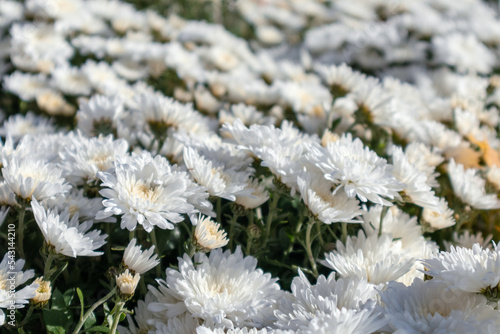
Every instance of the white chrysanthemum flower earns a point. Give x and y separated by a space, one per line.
67 236
224 290
184 324
328 207
137 260
416 189
431 307
143 190
346 321
77 203
258 197
12 276
17 126
157 113
280 149
378 260
244 330
220 182
26 86
464 51
127 283
70 80
400 226
208 234
33 179
100 115
467 240
439 219
475 270
358 170
327 297
84 157
470 187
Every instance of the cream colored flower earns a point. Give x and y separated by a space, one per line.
127 283
208 235
43 292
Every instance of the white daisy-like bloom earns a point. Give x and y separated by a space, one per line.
143 190
17 126
156 113
341 79
184 324
464 51
137 260
70 80
439 219
416 189
248 114
219 181
470 187
127 283
11 277
475 270
224 290
378 260
33 179
327 297
467 240
101 114
143 319
358 170
208 234
77 203
84 157
400 226
26 86
259 195
432 307
65 235
280 149
326 206
244 330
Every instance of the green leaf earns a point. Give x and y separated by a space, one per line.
82 304
68 296
55 329
58 302
91 320
57 320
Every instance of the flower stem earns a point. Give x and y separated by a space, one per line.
309 249
116 318
270 217
344 232
22 213
27 317
92 308
155 242
382 216
232 228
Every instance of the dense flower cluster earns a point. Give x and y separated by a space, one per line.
334 168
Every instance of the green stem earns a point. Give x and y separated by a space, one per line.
116 318
270 216
157 250
131 235
92 308
382 216
218 209
27 317
344 232
232 229
309 249
22 213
